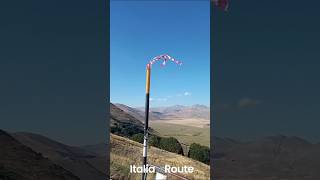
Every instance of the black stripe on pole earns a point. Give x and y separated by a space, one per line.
146 123
144 175
146 126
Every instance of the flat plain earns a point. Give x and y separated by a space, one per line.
186 134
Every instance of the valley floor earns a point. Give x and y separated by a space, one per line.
186 134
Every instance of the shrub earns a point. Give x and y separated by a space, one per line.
130 130
138 137
199 153
171 144
154 140
125 129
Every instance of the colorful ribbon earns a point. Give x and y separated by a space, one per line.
165 58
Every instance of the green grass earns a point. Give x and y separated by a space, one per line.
185 134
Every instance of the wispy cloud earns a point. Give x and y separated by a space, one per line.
159 99
184 94
164 99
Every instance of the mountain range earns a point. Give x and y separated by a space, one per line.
196 111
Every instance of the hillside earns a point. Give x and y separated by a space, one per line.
275 157
125 152
19 162
124 124
187 131
99 149
136 113
122 117
82 163
139 113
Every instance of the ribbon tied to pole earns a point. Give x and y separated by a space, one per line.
164 58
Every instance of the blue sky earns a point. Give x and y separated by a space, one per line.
141 30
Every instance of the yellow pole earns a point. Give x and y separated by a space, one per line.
148 79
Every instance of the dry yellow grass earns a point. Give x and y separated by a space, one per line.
193 122
185 134
125 152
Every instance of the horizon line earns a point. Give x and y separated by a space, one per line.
138 106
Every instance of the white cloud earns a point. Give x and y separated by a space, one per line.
164 99
187 94
184 94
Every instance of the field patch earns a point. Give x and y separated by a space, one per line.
185 134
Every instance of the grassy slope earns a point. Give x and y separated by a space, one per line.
125 152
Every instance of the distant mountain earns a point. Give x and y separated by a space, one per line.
82 163
185 112
139 113
171 112
19 162
275 157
